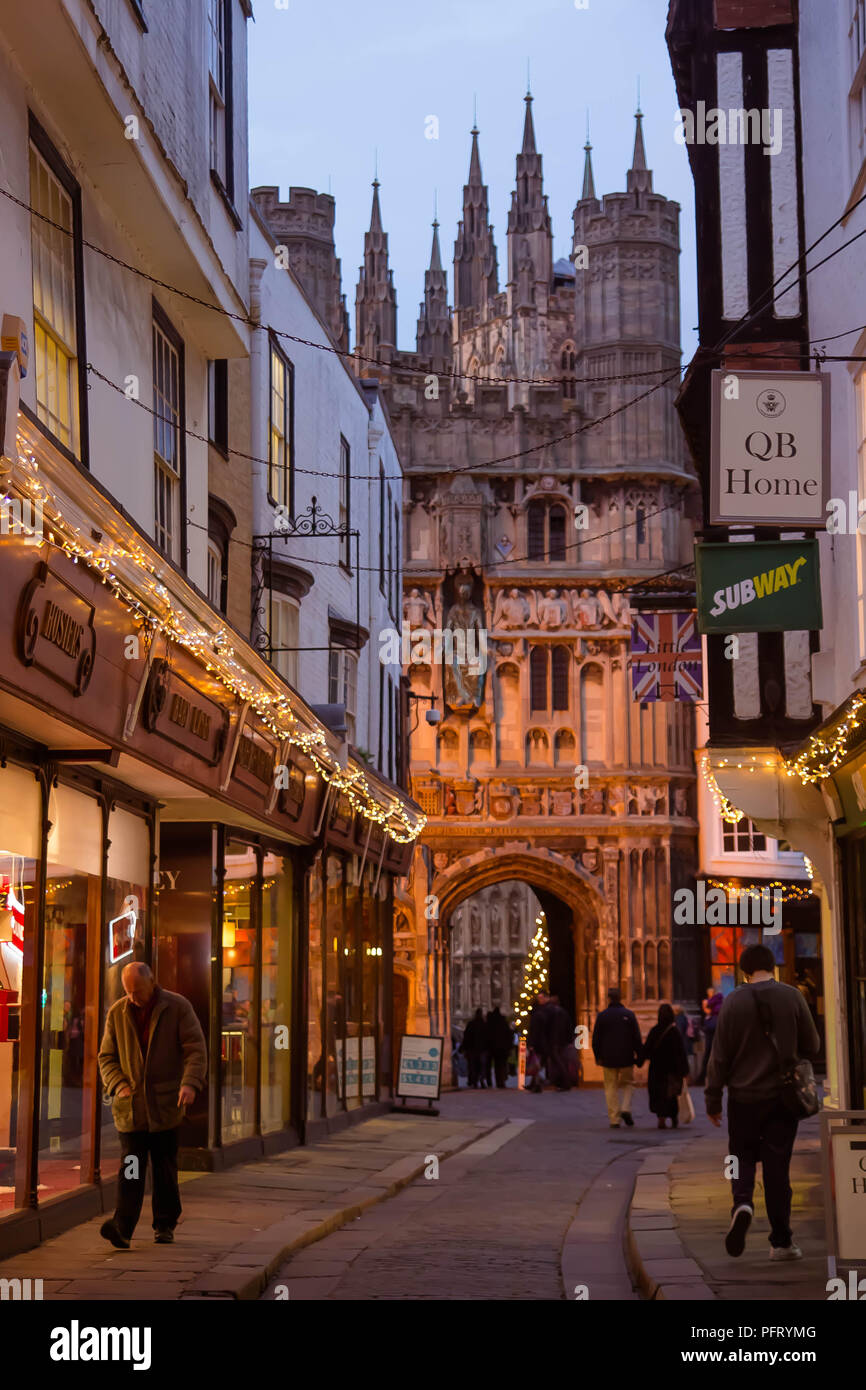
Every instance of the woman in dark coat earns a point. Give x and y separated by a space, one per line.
669 1064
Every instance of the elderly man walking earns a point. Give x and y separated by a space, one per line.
153 1060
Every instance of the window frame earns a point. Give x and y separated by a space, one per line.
48 151
344 508
218 404
382 589
161 321
288 426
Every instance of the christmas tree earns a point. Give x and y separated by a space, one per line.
534 975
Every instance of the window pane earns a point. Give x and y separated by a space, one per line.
538 678
557 533
278 932
536 530
560 678
239 1032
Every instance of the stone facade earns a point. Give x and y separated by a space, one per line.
526 527
489 941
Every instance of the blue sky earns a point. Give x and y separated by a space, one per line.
334 81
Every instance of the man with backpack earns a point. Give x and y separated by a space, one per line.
763 1028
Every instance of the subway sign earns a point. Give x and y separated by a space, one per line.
763 586
770 457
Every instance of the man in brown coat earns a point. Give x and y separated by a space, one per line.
153 1059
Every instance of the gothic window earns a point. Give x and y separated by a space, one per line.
567 360
556 524
538 665
560 677
545 531
592 714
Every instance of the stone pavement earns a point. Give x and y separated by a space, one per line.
681 1210
239 1225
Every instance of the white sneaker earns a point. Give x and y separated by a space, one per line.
786 1252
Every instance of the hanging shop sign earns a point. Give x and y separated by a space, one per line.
766 586
55 629
420 1071
177 711
666 657
770 456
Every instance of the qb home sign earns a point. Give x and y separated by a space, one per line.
770 460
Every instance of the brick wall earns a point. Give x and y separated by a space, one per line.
753 14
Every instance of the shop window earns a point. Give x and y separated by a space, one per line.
20 819
742 838
72 921
315 996
57 310
371 986
168 436
124 922
335 1003
348 1049
239 1030
278 937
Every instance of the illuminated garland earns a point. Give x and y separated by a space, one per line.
791 892
826 750
152 607
728 812
534 977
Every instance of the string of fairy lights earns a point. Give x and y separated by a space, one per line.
790 892
534 975
129 572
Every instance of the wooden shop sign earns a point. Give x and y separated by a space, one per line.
55 630
255 760
178 712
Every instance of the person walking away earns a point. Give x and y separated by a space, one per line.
616 1046
474 1040
153 1061
668 1066
761 1128
538 1036
711 1007
561 1038
499 1041
684 1024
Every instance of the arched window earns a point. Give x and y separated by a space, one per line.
592 714
545 532
538 678
556 523
535 530
564 747
561 663
567 360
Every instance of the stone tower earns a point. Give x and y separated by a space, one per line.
542 769
375 298
305 226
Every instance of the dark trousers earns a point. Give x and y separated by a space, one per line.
473 1068
162 1146
500 1067
763 1131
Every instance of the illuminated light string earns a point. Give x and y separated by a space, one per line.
534 975
791 892
728 812
154 610
826 750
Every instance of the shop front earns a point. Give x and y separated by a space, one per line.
165 797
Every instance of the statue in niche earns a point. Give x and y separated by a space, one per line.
474 926
511 610
622 609
418 610
552 610
681 801
495 924
465 664
514 921
495 985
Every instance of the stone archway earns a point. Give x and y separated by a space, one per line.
552 873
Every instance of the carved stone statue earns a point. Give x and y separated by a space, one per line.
587 609
495 985
622 609
495 924
475 926
681 801
418 610
514 921
552 610
511 610
464 665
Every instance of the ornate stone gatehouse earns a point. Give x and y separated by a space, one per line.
545 480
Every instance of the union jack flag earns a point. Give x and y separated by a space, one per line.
666 657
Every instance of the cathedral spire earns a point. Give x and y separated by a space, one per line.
639 178
588 180
476 277
433 336
375 297
530 237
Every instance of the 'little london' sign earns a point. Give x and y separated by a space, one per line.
770 460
